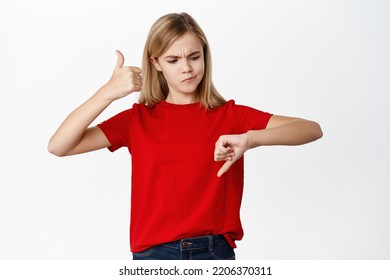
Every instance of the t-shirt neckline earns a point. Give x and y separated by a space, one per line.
184 107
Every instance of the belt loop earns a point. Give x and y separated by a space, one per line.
211 246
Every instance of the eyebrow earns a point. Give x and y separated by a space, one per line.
175 56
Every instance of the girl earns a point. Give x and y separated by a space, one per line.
186 143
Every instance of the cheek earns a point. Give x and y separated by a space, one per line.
201 67
168 74
170 78
200 70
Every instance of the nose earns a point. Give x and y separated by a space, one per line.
186 66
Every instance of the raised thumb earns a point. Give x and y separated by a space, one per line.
120 61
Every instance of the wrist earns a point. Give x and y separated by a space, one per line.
252 139
104 94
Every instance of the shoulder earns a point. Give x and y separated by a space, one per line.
247 117
128 113
232 106
138 108
229 105
143 107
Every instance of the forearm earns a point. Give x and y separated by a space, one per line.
297 132
72 129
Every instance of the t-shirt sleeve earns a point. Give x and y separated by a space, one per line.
116 129
249 118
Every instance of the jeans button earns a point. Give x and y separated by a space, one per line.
186 244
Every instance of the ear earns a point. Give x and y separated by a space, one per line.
155 63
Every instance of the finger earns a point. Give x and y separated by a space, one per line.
223 152
222 146
224 168
229 156
137 79
121 60
135 69
225 143
138 88
138 82
132 72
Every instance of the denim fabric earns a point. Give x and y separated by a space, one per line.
213 247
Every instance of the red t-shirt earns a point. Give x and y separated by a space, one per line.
175 189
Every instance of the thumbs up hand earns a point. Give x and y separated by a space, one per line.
124 80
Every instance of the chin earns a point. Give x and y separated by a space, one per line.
189 90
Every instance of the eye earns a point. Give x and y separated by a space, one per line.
195 57
172 61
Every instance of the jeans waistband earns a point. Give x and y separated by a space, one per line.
196 243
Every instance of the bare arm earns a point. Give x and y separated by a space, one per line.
73 136
280 130
283 130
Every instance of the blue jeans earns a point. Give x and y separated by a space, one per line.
213 247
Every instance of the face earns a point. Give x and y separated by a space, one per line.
183 67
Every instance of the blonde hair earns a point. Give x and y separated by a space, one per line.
162 34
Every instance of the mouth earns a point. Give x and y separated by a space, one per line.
189 79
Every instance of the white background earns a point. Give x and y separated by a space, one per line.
322 60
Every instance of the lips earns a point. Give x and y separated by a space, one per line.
189 79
